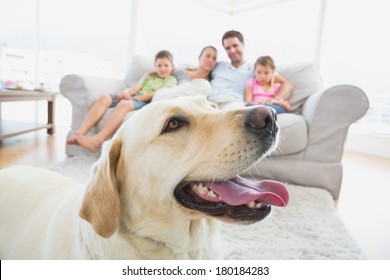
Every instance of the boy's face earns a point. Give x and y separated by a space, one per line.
163 67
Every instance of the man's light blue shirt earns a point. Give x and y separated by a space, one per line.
230 81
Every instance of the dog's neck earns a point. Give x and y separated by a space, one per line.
187 239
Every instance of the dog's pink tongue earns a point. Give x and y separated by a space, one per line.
238 191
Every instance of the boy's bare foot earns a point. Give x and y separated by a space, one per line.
90 143
71 140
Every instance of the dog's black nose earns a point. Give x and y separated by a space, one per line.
260 118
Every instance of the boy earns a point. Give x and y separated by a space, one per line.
127 100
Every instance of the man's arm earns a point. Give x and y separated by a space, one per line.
286 88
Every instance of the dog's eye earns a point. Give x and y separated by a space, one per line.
173 124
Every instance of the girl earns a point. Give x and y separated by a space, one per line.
262 90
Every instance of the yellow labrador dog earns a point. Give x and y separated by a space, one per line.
157 192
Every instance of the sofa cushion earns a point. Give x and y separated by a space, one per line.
306 79
293 134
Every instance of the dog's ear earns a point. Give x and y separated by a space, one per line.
101 205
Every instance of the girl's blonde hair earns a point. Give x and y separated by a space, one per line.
267 61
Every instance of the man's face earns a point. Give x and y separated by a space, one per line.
234 49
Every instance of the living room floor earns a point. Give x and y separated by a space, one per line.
363 204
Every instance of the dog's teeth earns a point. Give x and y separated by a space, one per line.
255 205
201 189
212 194
251 204
260 204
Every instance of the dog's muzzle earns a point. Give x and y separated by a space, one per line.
238 199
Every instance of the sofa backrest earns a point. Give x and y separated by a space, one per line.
138 66
306 79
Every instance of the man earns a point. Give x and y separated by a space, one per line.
228 79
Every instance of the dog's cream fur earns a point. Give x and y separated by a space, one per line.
127 209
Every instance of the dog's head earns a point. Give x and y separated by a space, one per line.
181 158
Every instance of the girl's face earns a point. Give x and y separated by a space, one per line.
263 74
208 59
163 67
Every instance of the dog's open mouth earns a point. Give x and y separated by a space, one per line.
237 199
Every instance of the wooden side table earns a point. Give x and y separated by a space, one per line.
13 128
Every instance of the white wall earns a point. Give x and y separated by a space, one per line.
182 27
185 27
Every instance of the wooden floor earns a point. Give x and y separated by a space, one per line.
34 148
363 205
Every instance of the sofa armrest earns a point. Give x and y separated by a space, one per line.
82 91
329 113
88 88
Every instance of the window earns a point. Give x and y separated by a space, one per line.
355 51
63 36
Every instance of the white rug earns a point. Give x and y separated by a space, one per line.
308 228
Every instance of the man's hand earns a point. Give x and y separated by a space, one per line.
284 103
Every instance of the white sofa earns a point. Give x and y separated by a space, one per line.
312 135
